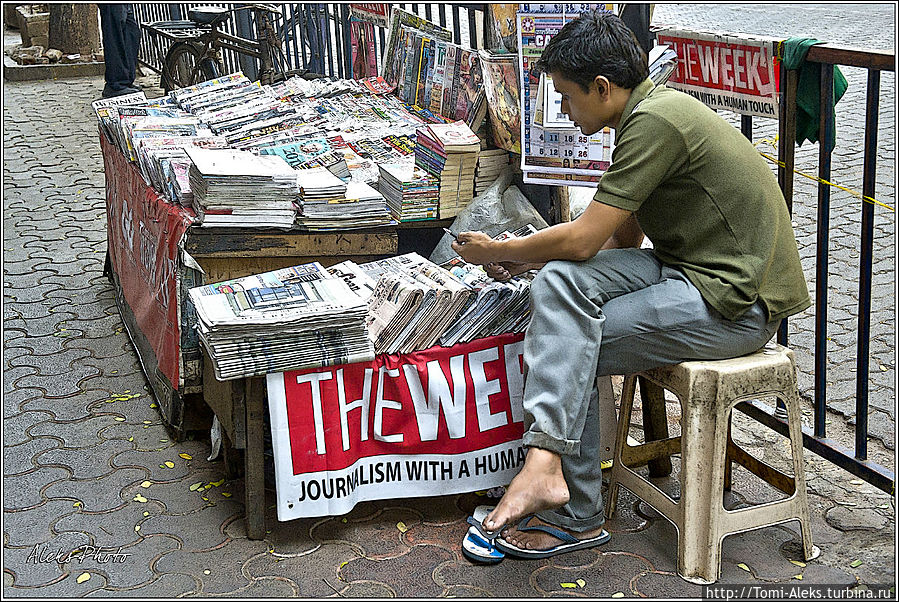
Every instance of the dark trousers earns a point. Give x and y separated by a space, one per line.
121 39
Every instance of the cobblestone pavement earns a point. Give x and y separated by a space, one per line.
88 463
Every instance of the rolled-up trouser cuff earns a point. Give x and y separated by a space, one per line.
564 447
578 525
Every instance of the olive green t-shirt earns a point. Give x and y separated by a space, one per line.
708 202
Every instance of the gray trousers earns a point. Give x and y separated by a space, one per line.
623 311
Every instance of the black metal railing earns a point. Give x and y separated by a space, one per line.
815 439
315 37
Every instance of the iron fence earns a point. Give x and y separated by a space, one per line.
315 37
815 439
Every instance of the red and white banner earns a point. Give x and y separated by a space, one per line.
724 71
433 422
373 12
143 237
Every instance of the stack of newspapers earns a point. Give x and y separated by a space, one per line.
288 319
164 163
239 189
662 62
413 302
360 207
411 192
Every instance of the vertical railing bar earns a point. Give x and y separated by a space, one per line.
472 28
746 126
457 29
323 10
441 13
428 12
300 19
786 152
345 28
865 267
825 129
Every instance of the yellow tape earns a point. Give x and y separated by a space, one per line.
864 198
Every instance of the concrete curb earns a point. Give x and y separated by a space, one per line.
21 73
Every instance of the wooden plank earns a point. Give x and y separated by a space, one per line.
853 57
221 397
253 243
218 269
254 460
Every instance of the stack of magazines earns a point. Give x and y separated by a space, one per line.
361 206
449 151
164 163
288 319
411 192
491 164
412 304
239 189
662 62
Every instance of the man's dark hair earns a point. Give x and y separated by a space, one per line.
596 43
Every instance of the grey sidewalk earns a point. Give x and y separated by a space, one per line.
85 451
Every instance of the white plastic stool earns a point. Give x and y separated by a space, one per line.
708 392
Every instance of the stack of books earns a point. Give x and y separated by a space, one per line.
410 192
491 164
288 319
449 152
239 189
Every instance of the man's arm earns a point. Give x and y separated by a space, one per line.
628 235
578 240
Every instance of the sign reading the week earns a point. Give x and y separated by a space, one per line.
724 71
433 422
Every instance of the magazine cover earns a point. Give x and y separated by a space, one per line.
500 74
394 54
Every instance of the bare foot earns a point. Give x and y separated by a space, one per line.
539 486
538 540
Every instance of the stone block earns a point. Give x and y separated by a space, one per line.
34 22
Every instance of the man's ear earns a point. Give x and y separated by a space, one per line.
603 85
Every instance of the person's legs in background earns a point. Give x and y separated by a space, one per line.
121 40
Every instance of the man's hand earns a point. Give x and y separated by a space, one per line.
476 247
505 270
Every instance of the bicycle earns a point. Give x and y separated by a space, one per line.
197 57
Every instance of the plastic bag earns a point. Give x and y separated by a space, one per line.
500 207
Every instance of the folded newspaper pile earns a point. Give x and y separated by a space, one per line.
288 319
411 192
662 62
239 189
360 206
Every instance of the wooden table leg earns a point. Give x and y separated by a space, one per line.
655 423
254 461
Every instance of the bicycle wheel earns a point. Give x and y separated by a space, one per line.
180 66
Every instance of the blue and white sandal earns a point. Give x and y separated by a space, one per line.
569 542
478 545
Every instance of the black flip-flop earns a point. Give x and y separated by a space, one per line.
569 542
479 544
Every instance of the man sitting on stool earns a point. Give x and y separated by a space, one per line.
723 272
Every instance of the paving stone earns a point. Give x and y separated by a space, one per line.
657 584
26 490
12 376
97 495
13 400
851 519
224 562
80 434
20 458
168 585
33 525
418 561
52 365
330 557
109 529
56 387
126 567
15 428
379 539
41 563
93 462
183 525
